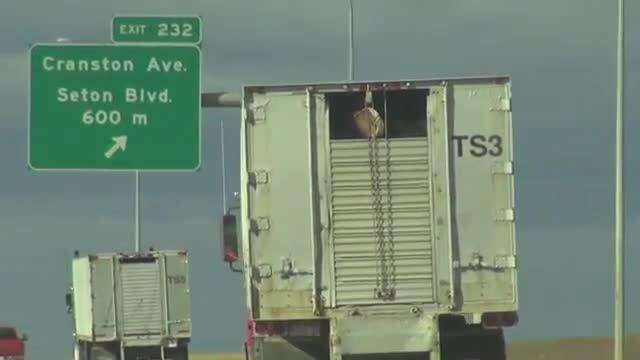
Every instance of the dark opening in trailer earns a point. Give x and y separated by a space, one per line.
404 113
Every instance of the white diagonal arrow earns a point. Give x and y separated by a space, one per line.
120 143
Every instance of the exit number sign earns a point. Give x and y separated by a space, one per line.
156 29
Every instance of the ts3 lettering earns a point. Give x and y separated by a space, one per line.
477 145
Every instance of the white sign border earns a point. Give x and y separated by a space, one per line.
196 168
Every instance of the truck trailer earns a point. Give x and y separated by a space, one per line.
376 220
131 306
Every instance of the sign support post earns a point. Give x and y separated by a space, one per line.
619 243
137 212
153 29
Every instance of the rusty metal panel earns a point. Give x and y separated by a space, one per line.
406 254
385 334
280 224
274 347
281 303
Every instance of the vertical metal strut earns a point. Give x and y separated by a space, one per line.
619 197
137 213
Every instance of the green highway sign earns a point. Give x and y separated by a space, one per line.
114 107
156 29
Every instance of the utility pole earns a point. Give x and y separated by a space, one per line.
619 198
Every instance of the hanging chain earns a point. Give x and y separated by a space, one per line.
383 290
389 252
378 216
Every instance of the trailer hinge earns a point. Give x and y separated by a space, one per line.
506 215
263 271
258 177
503 168
505 262
477 262
258 111
260 224
504 104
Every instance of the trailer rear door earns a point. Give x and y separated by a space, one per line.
384 222
141 298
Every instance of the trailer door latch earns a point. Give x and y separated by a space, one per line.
260 224
259 177
505 262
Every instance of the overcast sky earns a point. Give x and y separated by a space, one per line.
560 54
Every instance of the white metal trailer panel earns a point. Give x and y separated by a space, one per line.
422 214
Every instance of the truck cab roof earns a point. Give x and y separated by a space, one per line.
8 332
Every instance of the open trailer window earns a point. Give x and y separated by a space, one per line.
403 113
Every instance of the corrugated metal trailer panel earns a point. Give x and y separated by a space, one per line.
404 196
141 301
